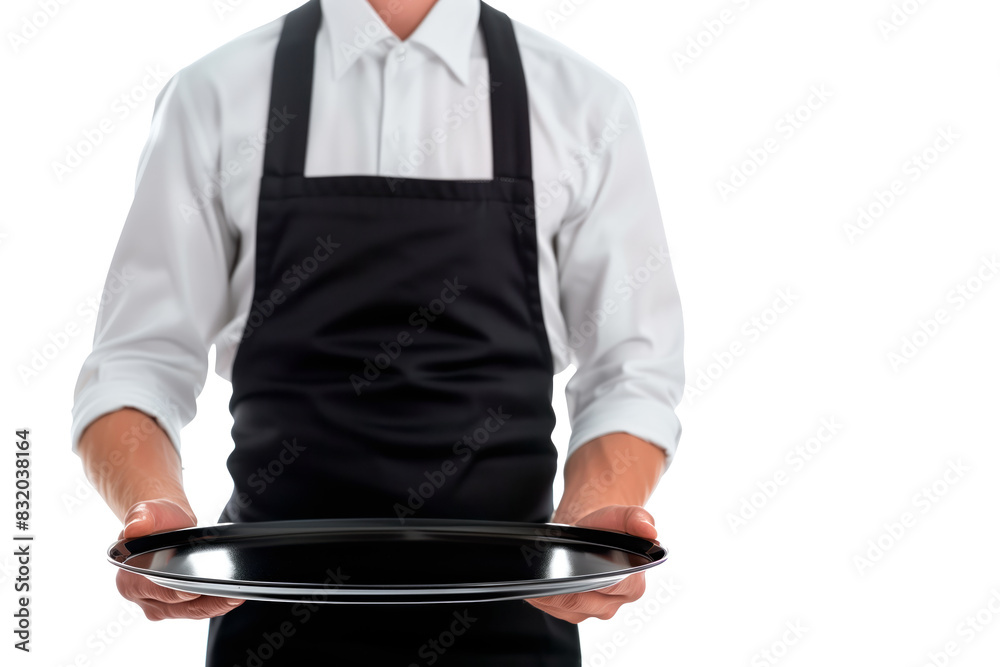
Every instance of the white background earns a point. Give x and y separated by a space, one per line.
730 589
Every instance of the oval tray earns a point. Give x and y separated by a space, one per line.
381 561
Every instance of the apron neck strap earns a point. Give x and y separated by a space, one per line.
292 81
508 96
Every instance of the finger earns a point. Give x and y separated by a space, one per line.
631 587
205 606
600 601
576 607
584 603
631 519
557 610
592 601
135 587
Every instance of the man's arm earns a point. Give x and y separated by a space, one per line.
129 458
166 299
167 292
618 296
619 300
614 469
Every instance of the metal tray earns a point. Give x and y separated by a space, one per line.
381 561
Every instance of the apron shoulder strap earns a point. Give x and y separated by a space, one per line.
508 96
291 91
292 80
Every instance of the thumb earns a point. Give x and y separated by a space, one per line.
151 516
631 519
138 522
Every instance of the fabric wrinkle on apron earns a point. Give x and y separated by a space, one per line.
413 352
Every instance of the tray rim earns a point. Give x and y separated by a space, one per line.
118 553
387 597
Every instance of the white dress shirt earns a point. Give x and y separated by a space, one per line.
417 108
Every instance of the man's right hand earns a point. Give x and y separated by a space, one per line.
158 603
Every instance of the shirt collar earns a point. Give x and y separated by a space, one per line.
447 31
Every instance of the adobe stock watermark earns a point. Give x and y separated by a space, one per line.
779 649
8 568
751 331
585 155
796 459
966 631
223 8
921 503
899 16
100 640
31 25
912 170
435 647
636 617
548 191
38 359
266 475
419 320
83 490
927 329
640 613
463 449
454 118
592 489
292 279
539 546
625 288
698 43
269 643
286 455
248 150
557 14
786 127
120 109
363 35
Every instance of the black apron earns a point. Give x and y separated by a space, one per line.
394 364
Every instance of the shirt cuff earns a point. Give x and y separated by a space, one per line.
108 396
647 420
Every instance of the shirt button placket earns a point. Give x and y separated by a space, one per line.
389 136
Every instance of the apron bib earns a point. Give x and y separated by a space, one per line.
394 364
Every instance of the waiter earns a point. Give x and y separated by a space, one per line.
395 220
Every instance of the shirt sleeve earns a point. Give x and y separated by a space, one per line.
166 296
617 290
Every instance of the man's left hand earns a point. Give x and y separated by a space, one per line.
604 602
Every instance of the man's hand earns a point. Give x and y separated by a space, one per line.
158 603
130 459
604 603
